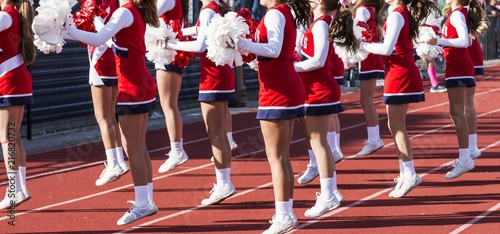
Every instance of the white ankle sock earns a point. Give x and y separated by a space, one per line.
17 184
312 159
335 180
141 195
401 169
120 157
176 146
111 158
282 210
290 205
337 140
409 169
463 155
373 134
223 176
22 176
150 192
326 188
472 142
229 136
332 141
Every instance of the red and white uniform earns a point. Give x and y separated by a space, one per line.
170 11
281 94
476 55
459 67
216 82
136 86
15 80
322 91
102 60
373 65
403 83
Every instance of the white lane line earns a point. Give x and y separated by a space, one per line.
476 219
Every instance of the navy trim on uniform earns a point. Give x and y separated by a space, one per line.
135 109
478 71
281 114
324 110
262 58
110 82
303 58
174 68
371 75
16 101
341 81
460 82
400 99
210 97
120 53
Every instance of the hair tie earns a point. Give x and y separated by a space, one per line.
343 2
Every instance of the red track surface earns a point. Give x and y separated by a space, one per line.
70 202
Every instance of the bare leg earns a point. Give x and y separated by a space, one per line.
470 111
169 85
104 100
397 125
317 131
457 97
367 93
214 115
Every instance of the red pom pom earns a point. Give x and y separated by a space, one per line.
84 19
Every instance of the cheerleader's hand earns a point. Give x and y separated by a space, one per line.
432 41
348 65
230 43
69 22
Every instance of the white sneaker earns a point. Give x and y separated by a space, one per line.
406 185
321 206
460 168
309 175
135 213
233 145
370 147
337 156
279 227
338 195
219 193
125 168
19 198
173 161
475 154
399 181
109 175
295 221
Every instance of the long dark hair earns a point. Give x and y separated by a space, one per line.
302 10
185 9
224 7
26 14
419 11
476 19
341 28
148 11
378 4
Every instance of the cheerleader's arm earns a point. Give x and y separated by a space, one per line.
458 21
121 19
275 24
164 6
321 46
362 14
5 21
395 23
198 45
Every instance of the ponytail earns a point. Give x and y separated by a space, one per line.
26 14
302 10
148 11
476 19
224 7
419 11
341 30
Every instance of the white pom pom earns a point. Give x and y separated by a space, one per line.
350 57
253 65
155 43
222 33
426 33
48 25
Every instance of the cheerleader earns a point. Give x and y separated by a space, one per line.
136 92
459 73
281 96
403 83
16 51
323 93
216 89
169 78
370 69
103 82
476 55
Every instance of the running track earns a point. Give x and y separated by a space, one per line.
65 199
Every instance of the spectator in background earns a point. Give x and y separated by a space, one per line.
258 10
492 9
